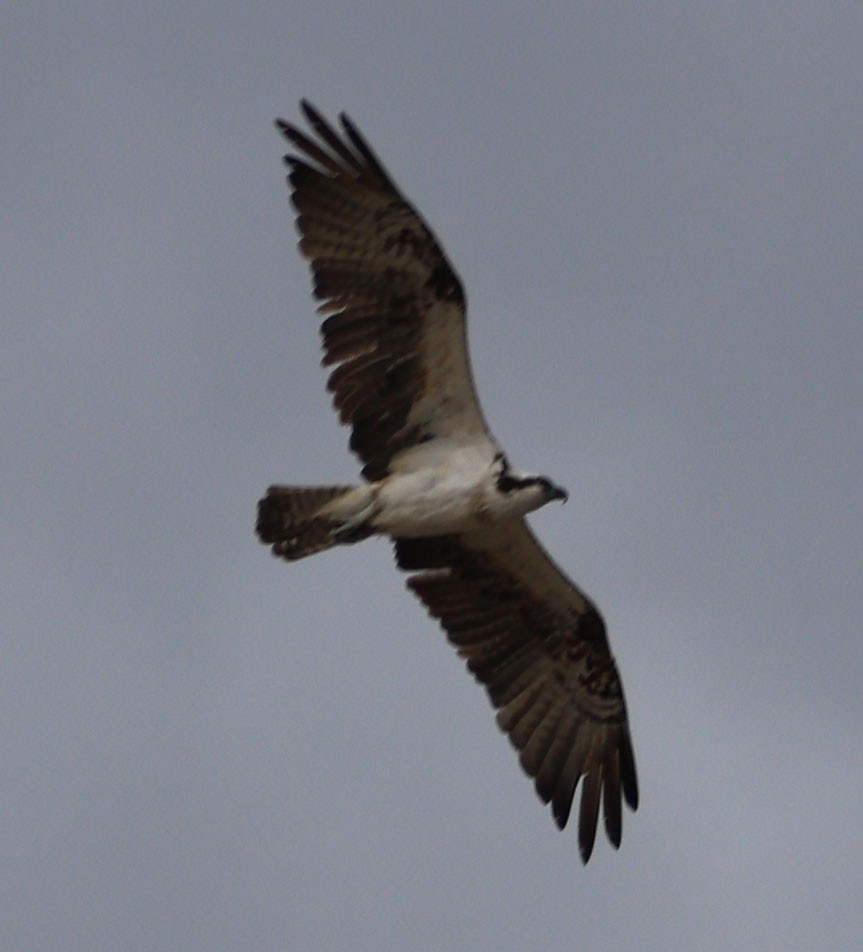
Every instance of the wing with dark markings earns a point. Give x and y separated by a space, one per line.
538 645
395 330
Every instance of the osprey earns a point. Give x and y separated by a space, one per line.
439 485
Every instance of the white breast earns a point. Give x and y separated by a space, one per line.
458 493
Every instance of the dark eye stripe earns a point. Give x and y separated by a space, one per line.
507 483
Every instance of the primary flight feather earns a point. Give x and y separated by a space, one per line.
439 485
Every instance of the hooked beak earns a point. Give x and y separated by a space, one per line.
558 492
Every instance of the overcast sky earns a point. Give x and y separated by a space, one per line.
656 210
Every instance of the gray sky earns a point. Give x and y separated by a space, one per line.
656 210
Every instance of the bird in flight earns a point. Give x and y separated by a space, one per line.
439 485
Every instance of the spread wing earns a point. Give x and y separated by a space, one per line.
395 333
539 647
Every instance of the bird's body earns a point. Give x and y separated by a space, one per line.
439 485
457 494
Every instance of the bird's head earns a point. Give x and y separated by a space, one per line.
531 490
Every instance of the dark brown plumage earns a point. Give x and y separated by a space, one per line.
380 272
539 648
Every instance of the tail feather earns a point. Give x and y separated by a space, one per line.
297 520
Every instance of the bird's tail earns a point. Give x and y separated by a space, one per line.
300 520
